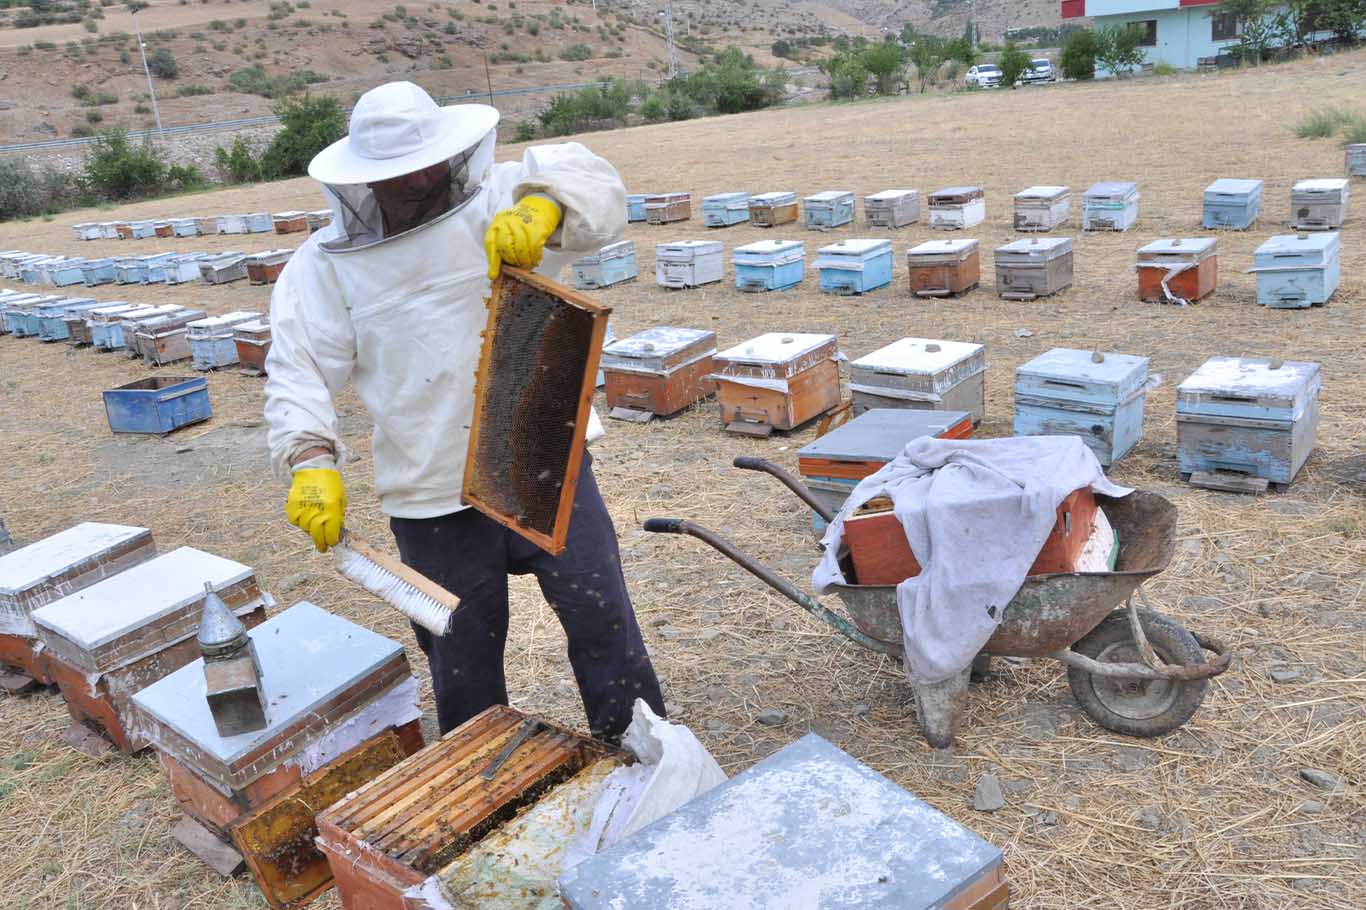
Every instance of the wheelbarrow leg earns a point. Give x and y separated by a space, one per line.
939 706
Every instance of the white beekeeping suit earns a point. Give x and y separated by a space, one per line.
401 316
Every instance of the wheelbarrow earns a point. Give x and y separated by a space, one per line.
1131 669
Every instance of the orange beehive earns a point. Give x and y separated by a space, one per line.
659 371
777 381
1178 270
944 268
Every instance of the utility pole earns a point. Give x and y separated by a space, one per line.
668 14
488 78
146 71
972 11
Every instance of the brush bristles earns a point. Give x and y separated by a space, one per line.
421 608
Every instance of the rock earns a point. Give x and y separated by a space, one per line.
861 710
1023 333
1316 582
772 718
709 634
717 725
1323 780
988 797
1310 807
1191 547
1016 787
1150 818
181 450
1203 603
291 582
1128 758
669 633
660 620
1285 675
673 709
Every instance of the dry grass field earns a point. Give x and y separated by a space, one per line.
1212 817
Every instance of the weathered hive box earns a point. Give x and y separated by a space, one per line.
828 209
107 330
689 263
1249 416
265 268
955 208
124 230
666 208
832 465
252 340
166 340
1232 204
157 405
635 207
610 265
891 208
108 230
36 271
207 225
725 209
118 636
769 265
855 266
14 309
1033 268
1295 271
81 327
223 269
87 230
1178 270
1319 205
1098 397
944 268
39 310
211 340
67 272
56 326
163 228
341 708
185 227
291 222
319 219
1356 160
232 224
130 270
53 568
809 826
95 272
186 267
1042 208
159 265
659 371
772 209
922 374
777 381
144 229
436 807
1111 205
258 222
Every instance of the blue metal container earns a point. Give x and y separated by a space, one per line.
769 265
1232 204
725 209
635 206
1099 397
31 272
259 223
157 404
828 210
1248 416
157 266
1296 271
52 325
68 272
855 266
610 265
95 272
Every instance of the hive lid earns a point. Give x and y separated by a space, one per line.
1112 189
213 323
856 247
890 195
1183 247
665 198
1250 381
1321 185
879 434
918 356
830 196
776 198
307 656
657 342
1071 372
690 246
723 198
256 325
775 347
1310 248
1229 186
809 826
1042 192
770 247
956 246
1036 247
611 251
37 562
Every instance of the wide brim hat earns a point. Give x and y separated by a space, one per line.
397 129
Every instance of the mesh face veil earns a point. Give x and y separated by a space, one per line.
360 222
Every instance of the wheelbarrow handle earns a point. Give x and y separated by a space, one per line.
772 579
750 463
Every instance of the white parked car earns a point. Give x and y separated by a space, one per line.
983 75
1040 70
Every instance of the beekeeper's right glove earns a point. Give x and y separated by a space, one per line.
317 501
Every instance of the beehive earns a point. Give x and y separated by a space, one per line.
124 230
809 826
689 263
1096 396
769 265
185 227
81 328
142 230
207 225
635 207
167 340
67 272
827 210
610 265
232 224
891 208
163 229
666 208
211 340
1178 271
1110 205
223 268
57 326
1033 268
257 222
409 822
1248 416
772 209
341 708
1296 271
265 268
291 222
1319 205
122 634
855 266
777 381
659 371
922 374
108 333
252 340
1232 204
1356 160
956 208
186 268
725 209
1042 208
53 568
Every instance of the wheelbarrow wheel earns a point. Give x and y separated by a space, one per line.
1138 707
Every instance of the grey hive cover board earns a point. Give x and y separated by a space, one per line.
808 828
880 434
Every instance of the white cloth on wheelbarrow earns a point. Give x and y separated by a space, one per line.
976 513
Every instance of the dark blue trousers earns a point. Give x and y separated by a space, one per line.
471 556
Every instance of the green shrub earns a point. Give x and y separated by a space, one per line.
45 45
1014 63
192 89
82 131
593 107
1164 69
237 164
254 80
1322 122
1078 59
94 117
576 52
117 169
310 124
25 193
1354 130
526 131
162 64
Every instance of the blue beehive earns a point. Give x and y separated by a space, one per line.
635 206
855 266
1232 204
259 223
144 229
1297 270
1248 416
1099 397
769 265
36 313
828 210
185 227
157 404
808 827
97 271
157 266
68 272
610 265
725 209
52 324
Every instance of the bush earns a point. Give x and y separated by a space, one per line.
1322 122
253 80
1014 63
782 49
24 193
192 89
1354 130
577 52
311 123
1164 69
116 169
94 117
237 164
1079 55
1117 49
162 64
526 131
593 107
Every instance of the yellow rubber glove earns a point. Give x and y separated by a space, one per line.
317 503
518 235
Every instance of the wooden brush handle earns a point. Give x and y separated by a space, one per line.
393 566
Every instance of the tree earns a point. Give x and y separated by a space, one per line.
1079 55
782 49
887 66
1293 20
1255 17
162 64
116 169
961 49
1117 49
1346 19
310 124
1014 63
927 54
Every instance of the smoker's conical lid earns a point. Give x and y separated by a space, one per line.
220 632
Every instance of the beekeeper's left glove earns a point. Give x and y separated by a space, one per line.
317 502
518 235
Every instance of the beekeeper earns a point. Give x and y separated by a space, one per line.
391 297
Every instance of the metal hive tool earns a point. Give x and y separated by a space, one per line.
534 390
